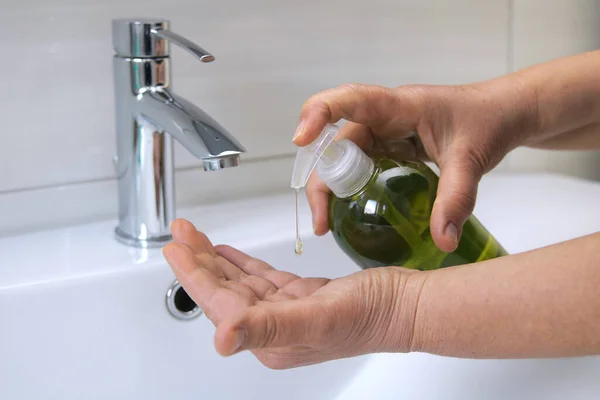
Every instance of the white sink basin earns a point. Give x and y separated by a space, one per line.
109 335
82 317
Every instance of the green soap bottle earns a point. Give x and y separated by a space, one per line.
379 210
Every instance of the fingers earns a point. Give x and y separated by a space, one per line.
200 283
374 106
456 195
367 107
253 266
260 287
186 233
269 325
317 194
219 299
228 270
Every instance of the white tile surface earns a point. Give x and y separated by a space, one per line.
545 30
57 111
270 57
61 205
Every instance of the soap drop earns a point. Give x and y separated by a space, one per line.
298 249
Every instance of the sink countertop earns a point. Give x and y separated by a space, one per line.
90 249
428 377
522 211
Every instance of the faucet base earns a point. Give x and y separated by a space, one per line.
131 241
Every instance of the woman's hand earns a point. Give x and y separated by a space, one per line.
466 130
542 303
288 321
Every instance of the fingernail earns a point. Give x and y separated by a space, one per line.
314 226
240 338
299 130
451 231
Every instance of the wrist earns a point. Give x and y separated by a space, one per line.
518 101
398 333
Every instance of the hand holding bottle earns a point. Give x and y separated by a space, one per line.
538 304
466 130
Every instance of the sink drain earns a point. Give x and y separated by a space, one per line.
180 304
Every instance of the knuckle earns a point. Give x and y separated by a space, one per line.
319 103
473 157
183 225
418 91
422 95
314 99
476 163
464 203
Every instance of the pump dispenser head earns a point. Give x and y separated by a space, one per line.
341 165
308 157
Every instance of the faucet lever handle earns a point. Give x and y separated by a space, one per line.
184 43
150 38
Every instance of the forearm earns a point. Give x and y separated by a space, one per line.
563 98
542 303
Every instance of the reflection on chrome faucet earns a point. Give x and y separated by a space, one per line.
148 116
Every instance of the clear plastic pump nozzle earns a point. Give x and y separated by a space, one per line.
341 165
323 148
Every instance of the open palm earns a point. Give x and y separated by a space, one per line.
285 320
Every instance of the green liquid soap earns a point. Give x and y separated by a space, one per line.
387 222
379 210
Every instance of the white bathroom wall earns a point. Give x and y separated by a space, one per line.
57 108
543 30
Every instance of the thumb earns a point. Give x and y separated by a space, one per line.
455 201
269 325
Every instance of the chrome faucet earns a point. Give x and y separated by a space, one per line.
148 116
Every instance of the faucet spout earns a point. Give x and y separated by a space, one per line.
148 117
200 134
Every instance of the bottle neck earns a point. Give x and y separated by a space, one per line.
350 173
